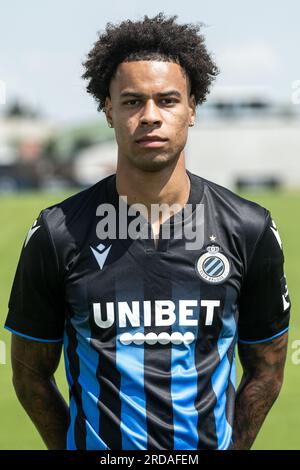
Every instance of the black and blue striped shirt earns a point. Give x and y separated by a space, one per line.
149 332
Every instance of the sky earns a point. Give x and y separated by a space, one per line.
43 45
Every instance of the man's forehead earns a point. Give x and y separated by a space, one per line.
149 75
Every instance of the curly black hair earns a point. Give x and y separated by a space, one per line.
157 38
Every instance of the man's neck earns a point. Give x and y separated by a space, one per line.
168 186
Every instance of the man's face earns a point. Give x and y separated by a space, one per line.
150 100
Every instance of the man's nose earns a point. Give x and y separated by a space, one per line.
151 114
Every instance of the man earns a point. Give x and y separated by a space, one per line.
149 328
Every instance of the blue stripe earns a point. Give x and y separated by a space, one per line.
72 405
32 337
71 436
88 364
93 440
210 264
184 376
211 273
221 375
264 340
130 363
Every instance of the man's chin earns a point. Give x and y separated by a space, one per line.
153 163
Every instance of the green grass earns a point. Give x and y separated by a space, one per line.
281 428
17 215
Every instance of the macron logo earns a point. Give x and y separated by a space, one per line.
100 253
33 229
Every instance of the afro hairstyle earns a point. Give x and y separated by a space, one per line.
157 38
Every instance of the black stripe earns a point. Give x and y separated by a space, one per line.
76 390
230 392
157 363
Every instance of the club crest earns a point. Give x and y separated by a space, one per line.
213 266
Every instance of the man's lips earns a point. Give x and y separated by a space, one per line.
151 141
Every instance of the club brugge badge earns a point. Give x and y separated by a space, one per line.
213 266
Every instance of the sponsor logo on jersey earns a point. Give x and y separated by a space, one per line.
152 338
137 314
213 266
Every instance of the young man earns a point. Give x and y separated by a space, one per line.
149 329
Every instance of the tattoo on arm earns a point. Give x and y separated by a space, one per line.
263 367
34 364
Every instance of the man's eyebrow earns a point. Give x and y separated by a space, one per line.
131 93
170 93
164 94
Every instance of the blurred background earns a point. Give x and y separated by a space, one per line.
53 142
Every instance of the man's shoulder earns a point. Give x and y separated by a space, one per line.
77 207
233 204
243 218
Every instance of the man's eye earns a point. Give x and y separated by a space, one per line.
168 101
131 102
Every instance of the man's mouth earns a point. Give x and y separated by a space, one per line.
151 141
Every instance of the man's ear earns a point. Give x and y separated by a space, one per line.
108 111
192 106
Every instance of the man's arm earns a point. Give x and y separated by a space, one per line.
33 364
263 367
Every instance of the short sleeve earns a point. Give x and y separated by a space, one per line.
36 305
264 303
